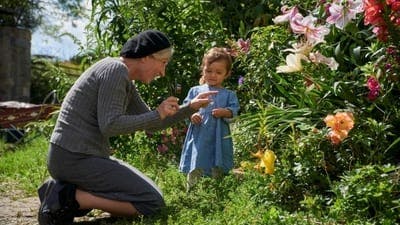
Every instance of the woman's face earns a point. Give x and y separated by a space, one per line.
151 67
154 65
157 67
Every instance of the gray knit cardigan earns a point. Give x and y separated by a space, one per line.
103 103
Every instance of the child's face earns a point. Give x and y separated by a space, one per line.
215 73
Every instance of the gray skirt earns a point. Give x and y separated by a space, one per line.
105 177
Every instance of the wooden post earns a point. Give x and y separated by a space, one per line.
15 64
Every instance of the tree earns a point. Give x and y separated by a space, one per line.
30 13
17 20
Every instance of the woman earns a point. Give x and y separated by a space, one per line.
104 102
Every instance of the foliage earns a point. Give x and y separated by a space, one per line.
288 102
370 191
30 13
25 164
40 128
320 90
191 27
301 168
260 82
240 16
49 80
285 110
249 198
166 143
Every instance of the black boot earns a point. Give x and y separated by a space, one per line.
67 199
58 203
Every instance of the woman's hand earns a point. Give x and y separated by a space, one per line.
168 107
202 100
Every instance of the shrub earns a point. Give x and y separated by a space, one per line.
369 192
48 76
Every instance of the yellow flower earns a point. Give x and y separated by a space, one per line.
268 161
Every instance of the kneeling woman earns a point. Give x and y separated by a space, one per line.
102 103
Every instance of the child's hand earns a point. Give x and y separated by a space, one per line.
196 118
221 113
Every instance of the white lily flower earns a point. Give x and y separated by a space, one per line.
301 48
293 63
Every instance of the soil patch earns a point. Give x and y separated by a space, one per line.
17 209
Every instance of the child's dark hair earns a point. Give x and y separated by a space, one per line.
215 54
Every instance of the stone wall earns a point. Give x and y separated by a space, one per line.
15 64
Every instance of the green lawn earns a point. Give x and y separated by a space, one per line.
245 199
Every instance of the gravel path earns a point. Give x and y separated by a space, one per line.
21 211
15 209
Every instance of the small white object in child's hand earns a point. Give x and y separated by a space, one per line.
211 98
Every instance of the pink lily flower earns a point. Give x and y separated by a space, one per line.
287 16
342 12
319 58
306 26
244 46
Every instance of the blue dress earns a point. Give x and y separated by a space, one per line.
208 144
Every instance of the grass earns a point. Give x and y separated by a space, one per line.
232 200
24 164
210 202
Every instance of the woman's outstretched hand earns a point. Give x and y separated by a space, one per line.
202 100
168 107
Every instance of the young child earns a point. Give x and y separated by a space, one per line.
208 147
